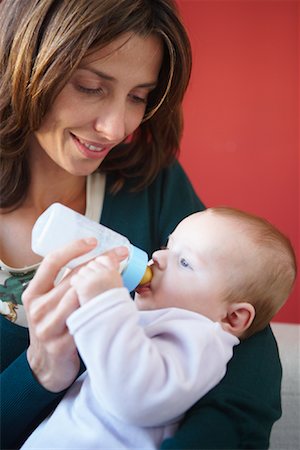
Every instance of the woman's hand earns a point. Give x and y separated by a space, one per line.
52 354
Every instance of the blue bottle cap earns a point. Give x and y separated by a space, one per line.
135 269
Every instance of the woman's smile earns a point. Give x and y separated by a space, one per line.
91 150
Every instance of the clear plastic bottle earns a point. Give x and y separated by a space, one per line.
60 225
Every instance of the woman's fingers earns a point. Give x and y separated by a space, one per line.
68 304
46 274
37 307
48 315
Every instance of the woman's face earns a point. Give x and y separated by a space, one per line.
101 105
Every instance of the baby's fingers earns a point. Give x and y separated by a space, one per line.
112 258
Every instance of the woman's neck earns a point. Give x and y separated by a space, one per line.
50 183
70 192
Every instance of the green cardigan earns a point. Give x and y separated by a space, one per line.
236 414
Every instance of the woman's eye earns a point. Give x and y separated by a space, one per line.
92 91
137 99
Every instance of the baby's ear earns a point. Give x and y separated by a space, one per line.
239 318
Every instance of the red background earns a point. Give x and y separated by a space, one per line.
241 138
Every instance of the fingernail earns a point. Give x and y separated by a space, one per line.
121 251
90 241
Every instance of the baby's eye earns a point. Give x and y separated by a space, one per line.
184 263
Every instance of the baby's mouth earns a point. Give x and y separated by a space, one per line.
143 289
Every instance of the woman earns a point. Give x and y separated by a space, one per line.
90 98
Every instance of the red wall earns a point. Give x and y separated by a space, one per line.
241 138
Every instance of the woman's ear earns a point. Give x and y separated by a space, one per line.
239 318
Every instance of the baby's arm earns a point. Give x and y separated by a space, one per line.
99 275
148 374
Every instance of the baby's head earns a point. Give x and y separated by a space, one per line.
264 268
231 266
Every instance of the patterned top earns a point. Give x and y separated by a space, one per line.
13 281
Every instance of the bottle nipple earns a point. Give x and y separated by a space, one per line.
147 276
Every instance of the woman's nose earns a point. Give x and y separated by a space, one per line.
160 259
110 123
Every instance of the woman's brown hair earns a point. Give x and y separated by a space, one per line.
42 43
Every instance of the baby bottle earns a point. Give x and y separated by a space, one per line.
59 225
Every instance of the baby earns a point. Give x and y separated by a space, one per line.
221 278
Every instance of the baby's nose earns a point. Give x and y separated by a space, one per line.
159 259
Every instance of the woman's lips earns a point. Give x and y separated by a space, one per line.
90 149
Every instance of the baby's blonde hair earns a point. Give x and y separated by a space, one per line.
272 260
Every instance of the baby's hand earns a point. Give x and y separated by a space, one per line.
98 276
